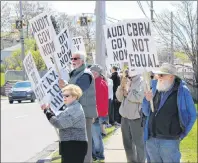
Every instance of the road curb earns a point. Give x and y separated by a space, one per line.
48 159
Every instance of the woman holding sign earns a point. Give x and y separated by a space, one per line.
71 124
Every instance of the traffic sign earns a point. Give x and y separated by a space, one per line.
83 21
19 24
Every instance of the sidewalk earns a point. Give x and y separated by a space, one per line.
114 150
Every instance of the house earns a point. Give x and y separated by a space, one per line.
8 51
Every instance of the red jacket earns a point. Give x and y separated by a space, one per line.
102 99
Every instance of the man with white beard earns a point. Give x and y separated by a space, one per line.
173 117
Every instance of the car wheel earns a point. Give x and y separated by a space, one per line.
19 101
11 102
33 100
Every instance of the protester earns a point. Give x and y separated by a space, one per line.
71 124
173 117
83 77
111 109
131 94
102 108
116 104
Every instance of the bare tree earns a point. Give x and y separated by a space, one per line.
30 9
87 32
5 14
184 30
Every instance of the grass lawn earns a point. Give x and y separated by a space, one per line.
109 131
188 146
196 105
2 79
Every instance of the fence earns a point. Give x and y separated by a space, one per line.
11 77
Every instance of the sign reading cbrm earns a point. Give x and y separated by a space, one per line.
44 34
131 41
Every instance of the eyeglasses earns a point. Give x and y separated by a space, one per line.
75 59
65 96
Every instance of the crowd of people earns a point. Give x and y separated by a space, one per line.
96 99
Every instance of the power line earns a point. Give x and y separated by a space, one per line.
156 27
112 18
140 5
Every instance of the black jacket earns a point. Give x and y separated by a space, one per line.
116 82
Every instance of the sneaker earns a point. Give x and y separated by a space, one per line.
94 159
103 135
117 124
108 126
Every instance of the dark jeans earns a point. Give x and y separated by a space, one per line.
73 151
116 105
111 112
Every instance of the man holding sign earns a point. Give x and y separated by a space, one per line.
173 117
84 79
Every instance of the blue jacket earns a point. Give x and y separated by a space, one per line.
186 109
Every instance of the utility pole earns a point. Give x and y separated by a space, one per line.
100 12
152 19
22 41
172 50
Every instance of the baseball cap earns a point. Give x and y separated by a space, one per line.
97 68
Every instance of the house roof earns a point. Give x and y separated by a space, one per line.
12 48
8 51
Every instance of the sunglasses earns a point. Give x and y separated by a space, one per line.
65 96
161 75
74 59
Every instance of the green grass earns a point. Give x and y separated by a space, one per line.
196 105
2 79
109 132
188 146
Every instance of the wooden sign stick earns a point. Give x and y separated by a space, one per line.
147 82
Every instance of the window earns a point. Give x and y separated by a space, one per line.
22 85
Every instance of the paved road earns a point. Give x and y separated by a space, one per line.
25 131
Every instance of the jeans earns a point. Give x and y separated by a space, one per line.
162 150
97 145
103 120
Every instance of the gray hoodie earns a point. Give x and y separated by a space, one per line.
131 105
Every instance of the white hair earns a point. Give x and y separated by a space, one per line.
81 54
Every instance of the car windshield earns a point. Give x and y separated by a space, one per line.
22 85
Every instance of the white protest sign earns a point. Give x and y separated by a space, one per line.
78 44
110 65
34 77
131 41
52 90
45 36
64 56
